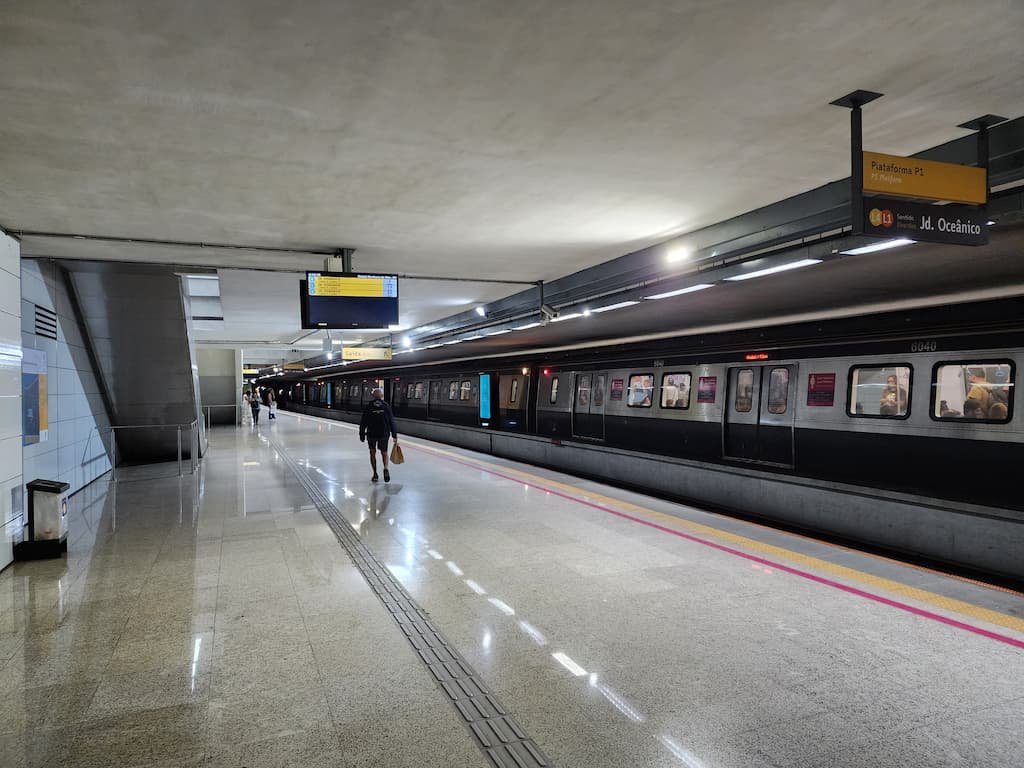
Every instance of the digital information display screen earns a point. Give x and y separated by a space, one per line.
339 300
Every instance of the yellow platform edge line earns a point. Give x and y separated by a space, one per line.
852 574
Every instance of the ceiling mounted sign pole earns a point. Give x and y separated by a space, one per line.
981 125
854 101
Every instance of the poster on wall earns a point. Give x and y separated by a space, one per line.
617 388
34 416
821 389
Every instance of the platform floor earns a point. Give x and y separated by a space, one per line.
218 621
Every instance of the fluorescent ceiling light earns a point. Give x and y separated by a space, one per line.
453 341
680 291
774 270
481 311
525 327
569 664
433 346
498 333
406 342
884 245
471 338
610 307
677 253
570 316
395 327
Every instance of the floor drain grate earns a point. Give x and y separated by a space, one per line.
494 730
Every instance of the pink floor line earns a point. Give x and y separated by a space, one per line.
747 556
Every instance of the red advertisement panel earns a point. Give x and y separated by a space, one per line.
618 386
821 389
707 389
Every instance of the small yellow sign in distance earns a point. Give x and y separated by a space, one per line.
927 179
250 371
366 353
295 366
372 287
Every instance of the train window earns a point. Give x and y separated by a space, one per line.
436 390
583 391
641 390
408 391
973 391
554 389
513 394
778 390
597 394
880 391
354 392
675 390
453 390
744 391
418 392
466 391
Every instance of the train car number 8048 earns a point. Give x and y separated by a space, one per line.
924 346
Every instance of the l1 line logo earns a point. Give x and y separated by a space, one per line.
951 224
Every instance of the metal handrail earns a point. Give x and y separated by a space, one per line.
192 426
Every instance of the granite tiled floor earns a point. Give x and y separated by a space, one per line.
217 624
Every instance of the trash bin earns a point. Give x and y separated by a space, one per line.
47 521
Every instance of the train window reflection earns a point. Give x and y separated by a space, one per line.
583 391
597 395
882 391
778 390
418 392
641 390
453 390
466 391
514 393
554 389
974 391
675 390
744 391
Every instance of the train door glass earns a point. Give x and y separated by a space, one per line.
588 406
759 414
434 399
485 399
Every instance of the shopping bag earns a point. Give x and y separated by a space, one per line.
396 454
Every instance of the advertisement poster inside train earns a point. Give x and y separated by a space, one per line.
821 389
618 385
707 389
35 420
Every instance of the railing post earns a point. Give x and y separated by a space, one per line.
179 450
113 451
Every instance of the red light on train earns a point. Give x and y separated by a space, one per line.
756 356
547 371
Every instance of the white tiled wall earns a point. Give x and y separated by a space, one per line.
10 395
74 451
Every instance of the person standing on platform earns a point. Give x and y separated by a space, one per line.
246 409
271 404
375 427
254 405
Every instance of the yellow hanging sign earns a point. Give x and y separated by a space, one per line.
926 179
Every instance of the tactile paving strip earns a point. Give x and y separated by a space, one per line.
495 731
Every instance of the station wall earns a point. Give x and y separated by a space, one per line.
74 450
10 396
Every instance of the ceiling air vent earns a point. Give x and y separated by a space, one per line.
46 322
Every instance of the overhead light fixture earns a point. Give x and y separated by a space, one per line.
525 327
330 355
481 311
680 291
775 270
586 313
498 333
472 338
990 223
677 253
453 341
406 342
883 245
570 316
610 307
395 327
433 346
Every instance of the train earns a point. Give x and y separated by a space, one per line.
896 430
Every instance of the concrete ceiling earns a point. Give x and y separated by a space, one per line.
481 139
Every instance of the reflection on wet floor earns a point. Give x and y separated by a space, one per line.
219 622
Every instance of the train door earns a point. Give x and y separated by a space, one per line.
759 414
484 402
588 405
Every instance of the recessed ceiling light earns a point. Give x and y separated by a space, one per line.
525 327
884 245
680 291
774 270
406 342
481 311
610 307
677 253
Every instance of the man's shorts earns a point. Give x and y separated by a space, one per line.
378 442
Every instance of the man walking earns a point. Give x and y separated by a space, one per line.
376 426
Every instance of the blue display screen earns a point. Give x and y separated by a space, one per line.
485 395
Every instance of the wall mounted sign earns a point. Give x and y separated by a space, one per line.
366 353
821 389
707 389
617 387
34 397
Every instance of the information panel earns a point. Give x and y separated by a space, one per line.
927 179
342 300
953 224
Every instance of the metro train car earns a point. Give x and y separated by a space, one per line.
895 430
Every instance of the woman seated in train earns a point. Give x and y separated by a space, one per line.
945 412
973 409
998 411
894 399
